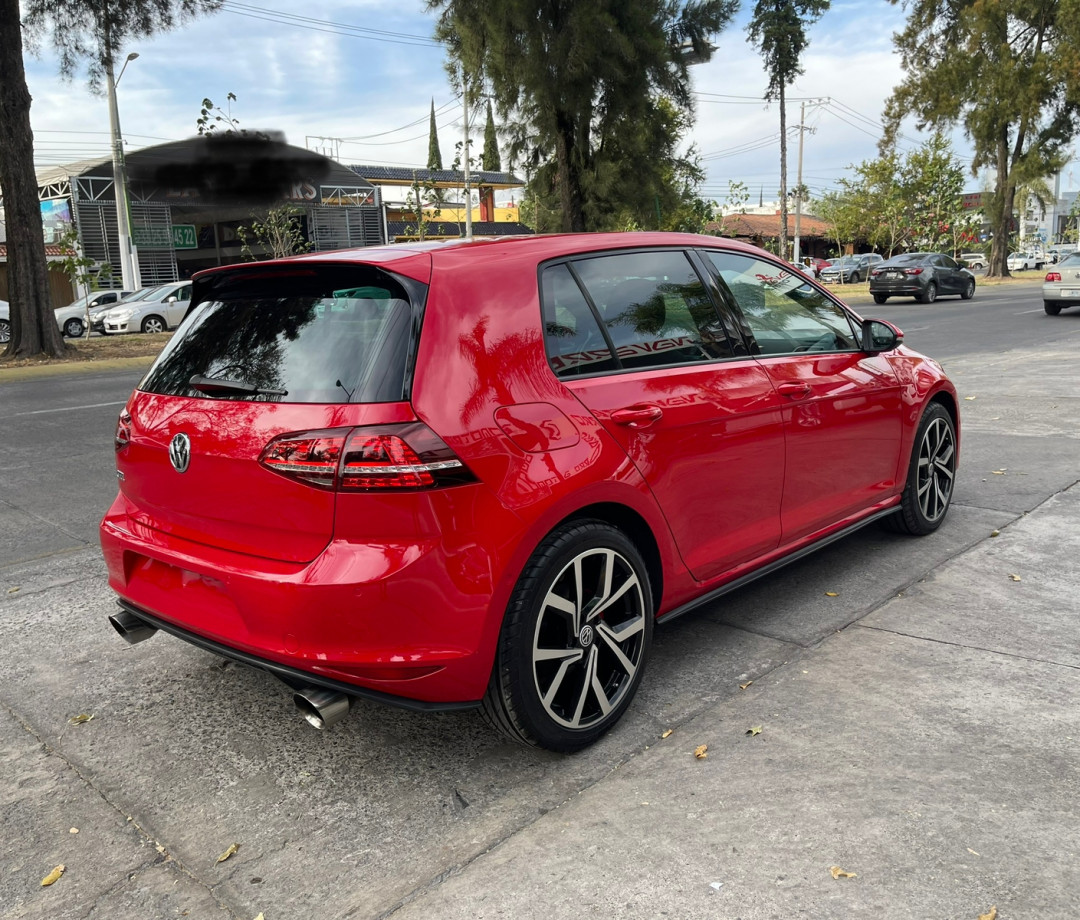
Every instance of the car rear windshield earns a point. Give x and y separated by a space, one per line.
317 334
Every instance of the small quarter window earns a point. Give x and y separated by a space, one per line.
575 344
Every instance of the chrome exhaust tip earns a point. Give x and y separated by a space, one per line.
130 627
321 708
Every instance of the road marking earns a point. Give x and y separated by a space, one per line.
68 409
1026 312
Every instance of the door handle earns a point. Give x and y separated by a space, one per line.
794 390
637 416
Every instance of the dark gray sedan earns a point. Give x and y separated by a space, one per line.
922 275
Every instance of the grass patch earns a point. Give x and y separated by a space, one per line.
99 348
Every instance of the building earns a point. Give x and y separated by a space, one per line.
764 230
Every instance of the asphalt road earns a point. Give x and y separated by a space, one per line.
186 755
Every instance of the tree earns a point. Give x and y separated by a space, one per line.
568 74
1007 71
490 160
778 29
82 271
434 154
87 32
279 232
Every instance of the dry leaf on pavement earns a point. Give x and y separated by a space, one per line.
969 398
744 686
229 852
831 594
699 751
1014 577
991 914
52 876
667 733
80 718
754 730
837 872
995 533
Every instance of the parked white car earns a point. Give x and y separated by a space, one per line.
1022 261
160 310
5 322
72 318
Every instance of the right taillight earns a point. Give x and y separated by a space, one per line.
123 431
912 271
1053 276
404 457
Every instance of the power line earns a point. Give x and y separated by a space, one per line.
329 26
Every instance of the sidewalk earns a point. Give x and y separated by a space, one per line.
931 749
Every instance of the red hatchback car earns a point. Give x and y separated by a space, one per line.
475 474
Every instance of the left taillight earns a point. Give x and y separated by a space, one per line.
404 457
1053 276
123 431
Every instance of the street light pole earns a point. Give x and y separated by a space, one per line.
468 191
129 263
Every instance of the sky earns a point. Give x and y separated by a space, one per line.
356 78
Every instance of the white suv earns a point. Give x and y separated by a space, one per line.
159 311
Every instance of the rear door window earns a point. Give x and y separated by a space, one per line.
326 334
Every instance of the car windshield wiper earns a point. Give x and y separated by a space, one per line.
215 385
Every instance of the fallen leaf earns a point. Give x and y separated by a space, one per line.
699 751
52 876
667 734
831 594
754 730
229 852
837 872
1015 577
972 852
995 533
13 590
260 917
744 686
74 830
969 398
991 914
716 886
80 718
998 472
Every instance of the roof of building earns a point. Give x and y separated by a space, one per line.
440 178
767 226
445 229
52 251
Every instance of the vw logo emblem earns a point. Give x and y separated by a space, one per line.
180 452
585 637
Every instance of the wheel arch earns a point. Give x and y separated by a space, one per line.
149 316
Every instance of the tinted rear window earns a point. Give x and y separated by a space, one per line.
323 335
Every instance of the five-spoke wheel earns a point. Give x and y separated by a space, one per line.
575 639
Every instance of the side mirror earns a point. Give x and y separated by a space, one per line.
170 299
879 336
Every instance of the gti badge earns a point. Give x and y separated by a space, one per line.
180 452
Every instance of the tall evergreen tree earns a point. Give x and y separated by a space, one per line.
83 32
778 29
490 160
568 75
434 154
1009 72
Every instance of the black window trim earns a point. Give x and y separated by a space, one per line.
570 258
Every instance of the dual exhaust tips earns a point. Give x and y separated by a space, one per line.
320 707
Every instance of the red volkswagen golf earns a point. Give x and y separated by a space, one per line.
476 474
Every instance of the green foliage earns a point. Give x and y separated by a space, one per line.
490 159
777 28
735 203
82 271
419 195
434 154
582 86
276 235
1009 72
91 32
211 116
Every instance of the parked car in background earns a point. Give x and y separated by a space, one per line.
922 275
160 310
815 265
476 474
1061 288
97 315
5 322
974 259
1058 252
72 318
1022 261
851 269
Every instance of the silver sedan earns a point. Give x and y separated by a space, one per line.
1062 285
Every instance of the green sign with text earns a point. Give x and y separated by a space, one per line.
183 236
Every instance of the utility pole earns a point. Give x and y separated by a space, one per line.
796 254
468 192
129 260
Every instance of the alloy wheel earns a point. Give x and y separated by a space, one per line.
937 467
589 638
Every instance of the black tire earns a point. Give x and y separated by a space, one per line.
1052 309
855 279
551 655
931 475
930 294
74 328
154 324
5 332
880 298
969 290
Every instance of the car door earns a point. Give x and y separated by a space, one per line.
842 406
952 279
638 340
175 309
